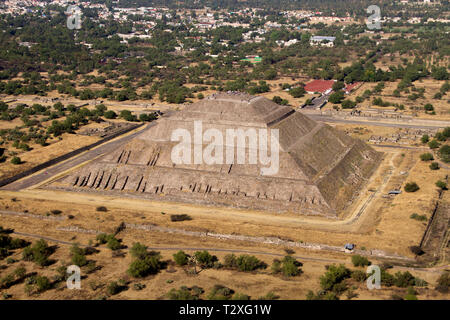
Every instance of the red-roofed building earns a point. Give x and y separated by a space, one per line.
351 86
322 86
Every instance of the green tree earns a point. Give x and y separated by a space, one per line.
332 279
434 166
204 259
142 267
426 156
297 92
360 261
433 144
110 114
336 97
78 256
444 153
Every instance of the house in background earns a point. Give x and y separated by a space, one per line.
322 41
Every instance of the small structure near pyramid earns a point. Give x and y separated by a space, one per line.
320 168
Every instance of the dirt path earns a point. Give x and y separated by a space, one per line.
215 249
68 243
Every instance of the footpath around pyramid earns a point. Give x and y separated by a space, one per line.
320 170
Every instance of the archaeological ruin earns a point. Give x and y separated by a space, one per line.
321 170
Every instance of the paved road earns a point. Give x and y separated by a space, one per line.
323 118
68 164
318 102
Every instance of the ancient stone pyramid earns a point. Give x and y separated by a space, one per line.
320 169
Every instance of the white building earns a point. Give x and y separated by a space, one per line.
322 41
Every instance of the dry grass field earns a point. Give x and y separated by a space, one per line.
40 154
255 284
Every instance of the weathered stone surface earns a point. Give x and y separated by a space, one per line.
321 169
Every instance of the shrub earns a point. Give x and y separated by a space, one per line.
185 293
387 279
348 104
276 266
16 160
404 279
444 153
411 294
114 288
240 296
336 97
78 256
219 292
142 267
179 217
111 241
443 283
42 284
434 166
411 187
181 258
425 138
418 217
416 250
333 277
138 251
290 267
360 261
359 275
127 115
102 238
230 261
7 281
114 244
420 282
38 253
269 296
110 114
433 144
297 92
441 185
428 107
426 156
289 251
277 99
138 286
249 263
204 259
